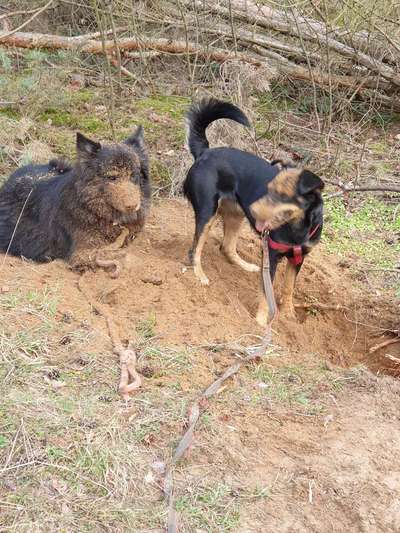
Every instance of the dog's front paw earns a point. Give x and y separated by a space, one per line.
288 312
204 280
251 267
199 273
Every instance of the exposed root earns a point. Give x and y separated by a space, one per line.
383 344
107 263
113 247
130 379
324 307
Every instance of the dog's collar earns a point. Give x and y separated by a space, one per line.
296 249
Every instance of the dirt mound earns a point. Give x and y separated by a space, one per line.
158 291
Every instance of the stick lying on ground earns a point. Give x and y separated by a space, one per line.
383 344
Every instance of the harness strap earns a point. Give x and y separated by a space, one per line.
296 249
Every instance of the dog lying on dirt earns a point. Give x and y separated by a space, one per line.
236 185
60 211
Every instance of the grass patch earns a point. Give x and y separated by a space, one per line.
10 113
284 384
172 106
146 327
212 508
368 231
161 173
60 118
167 361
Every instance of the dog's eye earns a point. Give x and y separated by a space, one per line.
112 178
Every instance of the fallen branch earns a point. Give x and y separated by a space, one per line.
309 29
246 37
383 344
375 188
187 438
293 70
88 45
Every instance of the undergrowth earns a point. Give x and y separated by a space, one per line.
367 232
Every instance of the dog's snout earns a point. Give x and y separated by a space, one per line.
130 205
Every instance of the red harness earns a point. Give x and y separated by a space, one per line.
297 249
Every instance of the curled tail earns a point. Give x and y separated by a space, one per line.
202 114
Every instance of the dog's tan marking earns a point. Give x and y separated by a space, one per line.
197 250
232 217
274 213
285 183
287 306
123 195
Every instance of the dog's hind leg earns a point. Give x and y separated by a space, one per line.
286 305
233 217
200 237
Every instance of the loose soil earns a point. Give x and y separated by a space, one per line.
157 285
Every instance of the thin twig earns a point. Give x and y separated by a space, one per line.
375 188
383 344
15 229
38 12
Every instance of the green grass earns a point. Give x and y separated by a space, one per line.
146 327
75 121
173 106
284 385
167 360
211 508
367 231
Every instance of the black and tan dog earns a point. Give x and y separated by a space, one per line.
236 184
59 211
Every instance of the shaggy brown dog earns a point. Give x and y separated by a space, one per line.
49 212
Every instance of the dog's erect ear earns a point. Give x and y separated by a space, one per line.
309 182
86 147
137 137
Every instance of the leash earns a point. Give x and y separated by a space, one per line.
268 288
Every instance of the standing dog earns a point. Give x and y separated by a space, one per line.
57 211
237 185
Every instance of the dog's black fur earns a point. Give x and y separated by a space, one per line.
55 210
236 178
